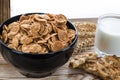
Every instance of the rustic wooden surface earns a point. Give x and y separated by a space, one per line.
8 72
4 10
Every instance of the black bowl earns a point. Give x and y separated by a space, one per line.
36 65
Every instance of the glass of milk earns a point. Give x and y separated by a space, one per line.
107 38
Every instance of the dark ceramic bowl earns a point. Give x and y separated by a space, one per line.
36 65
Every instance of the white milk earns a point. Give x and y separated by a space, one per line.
107 38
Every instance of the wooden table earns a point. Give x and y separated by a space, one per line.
8 72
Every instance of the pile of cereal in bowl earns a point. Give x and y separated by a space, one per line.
38 33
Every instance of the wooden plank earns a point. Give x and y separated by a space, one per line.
7 71
2 61
84 20
63 77
4 10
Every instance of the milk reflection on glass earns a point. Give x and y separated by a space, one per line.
107 38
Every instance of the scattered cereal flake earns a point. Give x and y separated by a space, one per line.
61 19
47 37
46 31
54 38
23 17
25 27
35 48
71 33
38 18
5 28
57 45
31 48
65 44
44 17
50 42
54 34
49 27
42 28
62 35
25 39
54 27
14 29
25 48
35 27
43 50
26 22
19 48
4 36
63 27
11 46
14 43
13 25
41 41
51 16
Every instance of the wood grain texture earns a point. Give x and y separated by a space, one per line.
8 72
84 20
4 10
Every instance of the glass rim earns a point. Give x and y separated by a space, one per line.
109 15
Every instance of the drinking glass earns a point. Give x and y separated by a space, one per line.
107 37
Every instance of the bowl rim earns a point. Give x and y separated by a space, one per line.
50 53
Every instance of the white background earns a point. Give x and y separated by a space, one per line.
70 8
